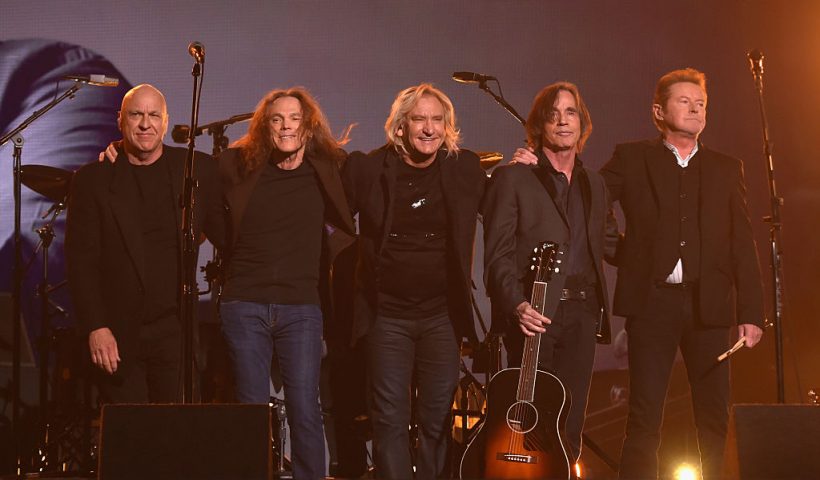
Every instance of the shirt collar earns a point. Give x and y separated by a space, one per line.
683 162
544 162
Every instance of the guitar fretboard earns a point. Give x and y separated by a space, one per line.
529 359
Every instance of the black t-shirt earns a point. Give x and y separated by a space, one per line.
277 254
413 273
160 237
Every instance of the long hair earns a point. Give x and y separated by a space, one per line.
665 83
256 146
405 101
541 113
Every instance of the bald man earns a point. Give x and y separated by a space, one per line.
123 249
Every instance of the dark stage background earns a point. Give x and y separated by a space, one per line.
356 55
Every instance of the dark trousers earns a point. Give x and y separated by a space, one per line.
568 351
348 386
153 374
397 348
670 321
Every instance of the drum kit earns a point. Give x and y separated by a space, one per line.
58 443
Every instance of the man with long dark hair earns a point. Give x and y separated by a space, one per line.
556 199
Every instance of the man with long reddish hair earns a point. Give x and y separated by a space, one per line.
286 218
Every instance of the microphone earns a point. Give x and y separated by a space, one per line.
96 80
197 50
470 77
756 62
180 133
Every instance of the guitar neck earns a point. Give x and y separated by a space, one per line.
529 359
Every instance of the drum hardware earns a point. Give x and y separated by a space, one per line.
63 438
489 159
282 463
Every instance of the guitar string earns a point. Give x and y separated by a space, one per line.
521 411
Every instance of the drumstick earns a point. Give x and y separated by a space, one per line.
723 356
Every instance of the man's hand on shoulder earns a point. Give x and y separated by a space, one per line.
524 156
103 348
110 153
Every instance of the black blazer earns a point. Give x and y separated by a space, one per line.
369 181
519 214
235 192
729 273
104 241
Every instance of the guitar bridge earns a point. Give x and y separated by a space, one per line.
515 458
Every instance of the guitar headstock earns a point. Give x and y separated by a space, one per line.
544 261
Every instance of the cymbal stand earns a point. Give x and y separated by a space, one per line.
16 137
46 234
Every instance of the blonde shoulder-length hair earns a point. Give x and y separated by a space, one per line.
404 103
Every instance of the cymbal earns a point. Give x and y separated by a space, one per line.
489 159
50 182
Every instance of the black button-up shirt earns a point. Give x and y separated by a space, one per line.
569 200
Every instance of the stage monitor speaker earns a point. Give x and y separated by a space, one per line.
205 441
773 442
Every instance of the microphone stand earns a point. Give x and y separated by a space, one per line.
492 345
17 276
482 84
774 221
189 258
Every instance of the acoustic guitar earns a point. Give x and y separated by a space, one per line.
522 434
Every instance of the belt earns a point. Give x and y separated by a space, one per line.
676 286
570 294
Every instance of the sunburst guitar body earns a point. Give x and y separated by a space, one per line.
522 434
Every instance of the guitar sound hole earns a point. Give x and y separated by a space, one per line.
522 417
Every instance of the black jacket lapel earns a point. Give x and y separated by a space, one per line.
125 205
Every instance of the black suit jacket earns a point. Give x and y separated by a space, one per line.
519 214
370 181
235 191
105 251
729 273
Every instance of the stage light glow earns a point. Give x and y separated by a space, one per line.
578 470
686 472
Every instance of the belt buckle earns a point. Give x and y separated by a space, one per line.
567 294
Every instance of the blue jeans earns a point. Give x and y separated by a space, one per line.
254 332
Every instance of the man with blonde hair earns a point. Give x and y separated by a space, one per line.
417 198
